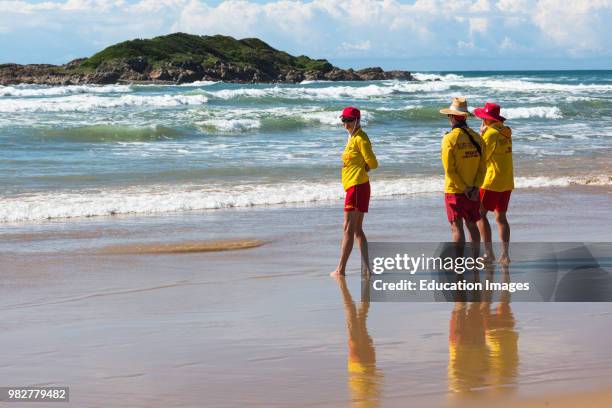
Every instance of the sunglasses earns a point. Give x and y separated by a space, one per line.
347 120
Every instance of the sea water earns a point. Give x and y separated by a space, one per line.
87 150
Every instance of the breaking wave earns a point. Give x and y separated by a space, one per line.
86 103
39 90
164 199
545 112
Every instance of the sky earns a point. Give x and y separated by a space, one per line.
414 35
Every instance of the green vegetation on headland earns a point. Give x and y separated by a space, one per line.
181 58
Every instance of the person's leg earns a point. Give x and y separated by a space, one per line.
485 232
474 237
362 242
458 236
484 227
504 236
455 218
457 230
350 218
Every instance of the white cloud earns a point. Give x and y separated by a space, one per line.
508 44
323 28
358 46
579 25
514 21
481 6
466 45
478 25
515 6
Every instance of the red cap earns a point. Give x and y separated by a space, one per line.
490 111
350 112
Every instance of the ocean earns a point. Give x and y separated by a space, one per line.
84 151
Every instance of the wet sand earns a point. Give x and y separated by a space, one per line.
591 399
266 326
183 247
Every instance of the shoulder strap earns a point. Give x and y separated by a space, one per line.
473 142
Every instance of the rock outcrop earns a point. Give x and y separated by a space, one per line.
183 58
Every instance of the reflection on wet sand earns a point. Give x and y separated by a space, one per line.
502 340
364 379
467 349
483 345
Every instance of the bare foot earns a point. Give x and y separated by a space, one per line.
504 260
488 258
337 273
340 279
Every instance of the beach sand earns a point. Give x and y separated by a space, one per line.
266 326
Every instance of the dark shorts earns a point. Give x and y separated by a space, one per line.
459 206
495 200
358 198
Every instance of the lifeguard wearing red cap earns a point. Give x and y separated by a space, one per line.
351 113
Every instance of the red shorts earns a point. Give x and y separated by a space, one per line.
358 198
459 206
494 200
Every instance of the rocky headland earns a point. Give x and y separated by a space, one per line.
183 58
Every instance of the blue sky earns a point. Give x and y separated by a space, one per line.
412 35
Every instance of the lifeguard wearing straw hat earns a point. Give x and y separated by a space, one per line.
458 107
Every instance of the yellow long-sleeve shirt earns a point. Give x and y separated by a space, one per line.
500 171
463 166
357 153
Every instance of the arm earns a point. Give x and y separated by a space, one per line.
482 165
488 146
490 141
448 161
365 147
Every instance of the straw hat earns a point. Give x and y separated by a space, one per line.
458 107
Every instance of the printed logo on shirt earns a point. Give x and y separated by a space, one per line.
470 154
463 146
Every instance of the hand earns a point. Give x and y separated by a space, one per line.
471 193
367 168
475 194
483 128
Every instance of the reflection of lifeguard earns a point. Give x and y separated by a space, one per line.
483 345
364 378
467 349
502 341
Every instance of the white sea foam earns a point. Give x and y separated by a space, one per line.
199 83
38 90
332 92
331 118
231 125
314 81
85 103
245 119
566 181
432 77
163 199
546 112
324 117
514 85
403 108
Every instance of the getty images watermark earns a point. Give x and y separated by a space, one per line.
448 272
